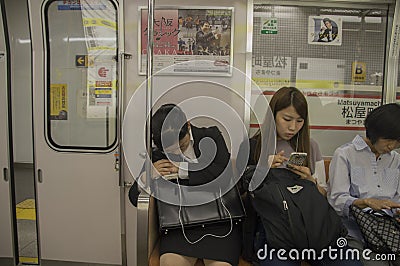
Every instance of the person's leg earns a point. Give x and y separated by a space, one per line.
215 263
173 259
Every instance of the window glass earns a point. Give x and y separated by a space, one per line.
81 74
335 56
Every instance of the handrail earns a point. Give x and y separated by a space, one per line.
389 92
143 250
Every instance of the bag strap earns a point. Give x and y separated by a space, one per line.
208 234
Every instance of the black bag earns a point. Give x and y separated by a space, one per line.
223 209
249 225
381 232
295 215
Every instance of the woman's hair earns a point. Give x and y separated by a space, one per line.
383 122
170 122
283 98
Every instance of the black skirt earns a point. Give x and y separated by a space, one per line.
225 249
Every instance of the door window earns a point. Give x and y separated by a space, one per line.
81 46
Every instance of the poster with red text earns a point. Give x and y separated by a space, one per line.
189 41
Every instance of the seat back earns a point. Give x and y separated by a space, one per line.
327 161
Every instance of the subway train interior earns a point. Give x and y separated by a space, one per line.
79 79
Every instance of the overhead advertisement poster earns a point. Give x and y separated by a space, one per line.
325 30
189 41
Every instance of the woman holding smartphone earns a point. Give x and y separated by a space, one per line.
290 110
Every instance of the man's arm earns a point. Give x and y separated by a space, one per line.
339 184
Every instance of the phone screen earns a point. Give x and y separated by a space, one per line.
297 158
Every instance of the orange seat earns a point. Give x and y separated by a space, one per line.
327 161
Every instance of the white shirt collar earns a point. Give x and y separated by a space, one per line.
191 135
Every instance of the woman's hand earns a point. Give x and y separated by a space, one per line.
303 171
376 204
165 167
277 160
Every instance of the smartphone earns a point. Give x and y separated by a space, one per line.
297 158
171 176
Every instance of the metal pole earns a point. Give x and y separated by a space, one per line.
389 92
143 251
149 83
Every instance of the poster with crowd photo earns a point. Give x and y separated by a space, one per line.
325 30
189 41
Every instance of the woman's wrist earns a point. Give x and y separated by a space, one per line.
312 179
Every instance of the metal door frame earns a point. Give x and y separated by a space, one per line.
10 240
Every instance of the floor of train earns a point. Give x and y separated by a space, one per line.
26 213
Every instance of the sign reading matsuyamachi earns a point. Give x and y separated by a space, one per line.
355 111
342 110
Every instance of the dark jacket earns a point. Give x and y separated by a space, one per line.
325 34
208 167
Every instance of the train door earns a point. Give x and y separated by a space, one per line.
6 247
20 129
75 79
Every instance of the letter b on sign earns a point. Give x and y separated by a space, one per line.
359 69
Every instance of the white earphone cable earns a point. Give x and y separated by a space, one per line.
202 237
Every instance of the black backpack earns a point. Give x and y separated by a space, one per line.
295 215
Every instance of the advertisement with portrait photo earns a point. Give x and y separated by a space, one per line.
189 41
325 30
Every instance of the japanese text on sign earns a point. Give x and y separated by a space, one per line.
355 111
268 61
